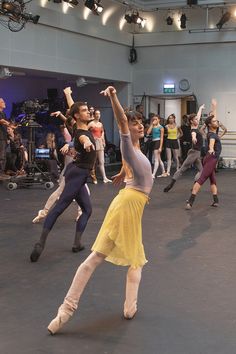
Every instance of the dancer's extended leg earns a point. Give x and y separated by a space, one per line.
133 279
72 298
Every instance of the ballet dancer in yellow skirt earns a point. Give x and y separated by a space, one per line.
120 238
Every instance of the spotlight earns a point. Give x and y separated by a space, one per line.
94 6
169 21
31 18
71 3
225 18
183 20
128 18
135 18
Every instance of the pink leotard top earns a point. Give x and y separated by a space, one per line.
96 131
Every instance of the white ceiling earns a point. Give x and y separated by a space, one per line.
165 4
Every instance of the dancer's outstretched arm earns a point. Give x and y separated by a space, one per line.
118 110
58 114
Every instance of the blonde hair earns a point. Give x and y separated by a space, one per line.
51 141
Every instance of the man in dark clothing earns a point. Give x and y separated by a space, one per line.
186 139
3 137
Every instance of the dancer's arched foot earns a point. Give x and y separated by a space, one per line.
38 249
59 321
41 215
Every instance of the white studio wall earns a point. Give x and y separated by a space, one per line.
173 107
210 70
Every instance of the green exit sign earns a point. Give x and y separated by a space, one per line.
169 88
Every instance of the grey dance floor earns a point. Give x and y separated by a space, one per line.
187 299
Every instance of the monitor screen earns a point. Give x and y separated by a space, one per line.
42 153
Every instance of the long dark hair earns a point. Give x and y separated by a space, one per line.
133 116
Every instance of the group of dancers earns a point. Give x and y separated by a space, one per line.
120 237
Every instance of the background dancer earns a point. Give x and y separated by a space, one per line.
172 144
120 238
76 175
157 132
96 128
209 161
194 154
69 154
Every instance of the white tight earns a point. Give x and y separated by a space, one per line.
169 158
157 161
101 161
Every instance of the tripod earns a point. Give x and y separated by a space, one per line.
34 175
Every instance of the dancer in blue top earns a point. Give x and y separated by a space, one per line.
157 132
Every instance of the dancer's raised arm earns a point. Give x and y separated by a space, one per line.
118 110
199 113
68 92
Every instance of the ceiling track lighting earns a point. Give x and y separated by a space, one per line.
134 17
94 6
71 3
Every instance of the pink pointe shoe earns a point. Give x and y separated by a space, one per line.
41 215
59 321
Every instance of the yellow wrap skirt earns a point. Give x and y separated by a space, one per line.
120 236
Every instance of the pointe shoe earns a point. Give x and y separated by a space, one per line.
107 180
41 215
59 321
130 313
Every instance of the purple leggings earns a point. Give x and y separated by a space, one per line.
209 165
75 179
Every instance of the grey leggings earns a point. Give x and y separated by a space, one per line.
193 157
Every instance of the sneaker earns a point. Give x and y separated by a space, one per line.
215 205
107 180
188 206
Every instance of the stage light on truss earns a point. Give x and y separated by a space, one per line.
224 18
94 6
183 20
